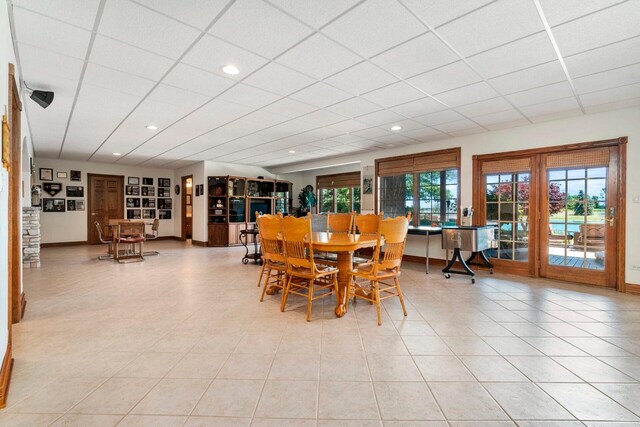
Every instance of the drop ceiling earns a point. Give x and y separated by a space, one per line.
317 79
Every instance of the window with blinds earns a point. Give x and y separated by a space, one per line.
427 185
338 192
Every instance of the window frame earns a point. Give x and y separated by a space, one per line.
334 183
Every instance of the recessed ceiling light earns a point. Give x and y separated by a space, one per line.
292 151
230 69
117 154
152 127
396 127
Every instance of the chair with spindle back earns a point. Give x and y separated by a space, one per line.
274 266
304 277
367 225
383 271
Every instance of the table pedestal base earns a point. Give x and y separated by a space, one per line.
345 264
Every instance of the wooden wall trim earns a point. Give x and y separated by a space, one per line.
622 216
23 305
198 243
59 244
632 289
5 376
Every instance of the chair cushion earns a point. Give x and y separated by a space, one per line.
133 239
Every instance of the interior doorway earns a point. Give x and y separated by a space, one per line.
105 202
187 207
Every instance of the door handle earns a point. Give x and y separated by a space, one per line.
93 214
611 216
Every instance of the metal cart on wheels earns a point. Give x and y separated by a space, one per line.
476 239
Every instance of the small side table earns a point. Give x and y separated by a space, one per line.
256 255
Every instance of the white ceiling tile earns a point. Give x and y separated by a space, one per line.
423 133
348 126
46 33
323 133
211 54
514 18
354 107
344 139
411 58
406 125
395 139
318 57
314 13
290 127
278 79
366 144
381 117
77 12
260 28
445 78
602 28
604 58
541 94
104 77
199 13
467 94
327 143
548 109
290 107
456 126
374 26
248 95
361 78
558 12
178 97
438 118
438 12
418 108
608 79
468 131
615 105
507 116
488 106
395 94
611 95
97 112
113 54
195 80
48 126
530 78
137 25
322 117
518 55
373 132
32 58
320 95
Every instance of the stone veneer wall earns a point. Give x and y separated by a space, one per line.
30 237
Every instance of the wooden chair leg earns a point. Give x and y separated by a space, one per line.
285 292
400 295
264 265
264 288
377 298
309 299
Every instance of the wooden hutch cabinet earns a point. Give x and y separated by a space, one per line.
233 202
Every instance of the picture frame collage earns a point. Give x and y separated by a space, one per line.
74 194
144 201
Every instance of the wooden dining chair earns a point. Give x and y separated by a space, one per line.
130 234
380 276
303 276
106 239
274 266
367 225
340 222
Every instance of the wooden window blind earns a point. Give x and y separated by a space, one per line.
421 162
506 165
342 180
582 159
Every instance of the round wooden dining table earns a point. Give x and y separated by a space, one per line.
343 245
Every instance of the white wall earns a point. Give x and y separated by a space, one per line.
57 227
592 127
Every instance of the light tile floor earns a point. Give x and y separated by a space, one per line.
182 340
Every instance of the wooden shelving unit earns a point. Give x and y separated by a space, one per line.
233 202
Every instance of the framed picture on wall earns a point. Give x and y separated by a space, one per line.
133 202
76 176
61 175
132 190
148 191
164 215
148 213
71 205
75 191
80 205
147 181
164 182
165 204
148 203
134 214
133 180
46 174
53 205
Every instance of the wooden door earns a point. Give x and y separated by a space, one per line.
579 216
106 201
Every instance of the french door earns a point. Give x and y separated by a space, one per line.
579 216
557 211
